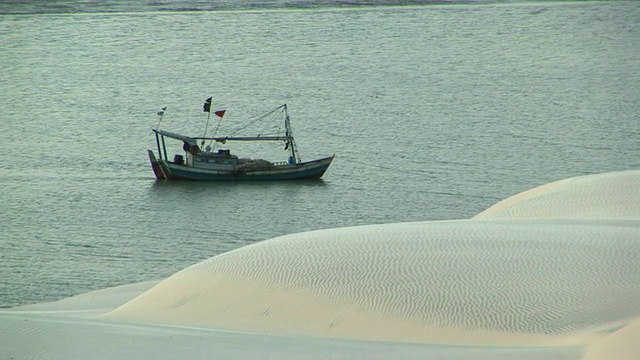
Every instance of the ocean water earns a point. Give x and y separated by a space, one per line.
434 111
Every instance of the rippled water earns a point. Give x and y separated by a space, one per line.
433 112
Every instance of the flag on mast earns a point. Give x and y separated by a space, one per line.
161 112
220 113
207 105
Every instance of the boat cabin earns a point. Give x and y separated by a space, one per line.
220 160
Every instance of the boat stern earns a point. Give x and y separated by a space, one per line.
155 166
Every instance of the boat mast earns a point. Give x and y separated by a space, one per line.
206 108
161 114
294 157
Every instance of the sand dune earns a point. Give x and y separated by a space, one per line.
609 195
528 281
551 273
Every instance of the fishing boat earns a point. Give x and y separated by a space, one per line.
218 164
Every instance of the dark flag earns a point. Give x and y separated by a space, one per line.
220 113
207 105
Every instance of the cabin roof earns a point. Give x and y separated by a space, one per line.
189 140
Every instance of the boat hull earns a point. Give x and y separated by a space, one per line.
305 170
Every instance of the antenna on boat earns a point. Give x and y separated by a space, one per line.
161 114
206 108
294 157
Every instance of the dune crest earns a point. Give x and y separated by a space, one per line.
614 195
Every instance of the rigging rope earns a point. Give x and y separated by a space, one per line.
235 132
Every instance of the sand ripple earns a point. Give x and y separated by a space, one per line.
537 277
608 195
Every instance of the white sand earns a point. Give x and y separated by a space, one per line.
623 344
40 336
614 195
550 273
497 282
